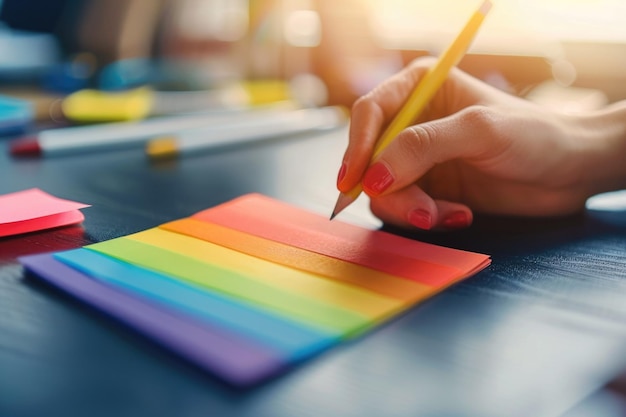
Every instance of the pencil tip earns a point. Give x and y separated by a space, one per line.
343 201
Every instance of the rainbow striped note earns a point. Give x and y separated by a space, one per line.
251 287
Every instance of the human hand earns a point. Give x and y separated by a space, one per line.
474 149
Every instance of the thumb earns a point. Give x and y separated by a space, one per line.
468 134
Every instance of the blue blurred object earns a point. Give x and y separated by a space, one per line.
68 77
168 75
25 55
15 115
126 74
37 40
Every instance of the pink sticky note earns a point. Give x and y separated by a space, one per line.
33 209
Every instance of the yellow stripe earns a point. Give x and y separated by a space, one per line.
366 303
368 279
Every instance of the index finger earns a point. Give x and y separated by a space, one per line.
370 115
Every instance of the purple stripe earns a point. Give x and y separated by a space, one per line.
223 353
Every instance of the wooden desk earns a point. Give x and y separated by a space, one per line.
532 335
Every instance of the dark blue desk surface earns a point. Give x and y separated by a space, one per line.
532 335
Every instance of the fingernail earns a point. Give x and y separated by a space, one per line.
377 179
420 218
342 173
456 220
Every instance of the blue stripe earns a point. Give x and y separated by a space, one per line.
288 337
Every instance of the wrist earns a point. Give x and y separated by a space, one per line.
604 138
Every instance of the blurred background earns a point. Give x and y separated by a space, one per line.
568 54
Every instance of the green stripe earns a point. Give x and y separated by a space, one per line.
312 312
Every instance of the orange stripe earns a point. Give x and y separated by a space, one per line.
335 269
401 257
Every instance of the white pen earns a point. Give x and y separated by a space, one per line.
109 136
246 130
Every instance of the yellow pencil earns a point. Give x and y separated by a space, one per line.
421 96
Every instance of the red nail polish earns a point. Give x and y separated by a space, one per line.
456 220
342 173
377 179
420 218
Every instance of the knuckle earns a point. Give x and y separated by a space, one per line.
360 104
416 141
480 118
490 124
423 62
419 66
365 105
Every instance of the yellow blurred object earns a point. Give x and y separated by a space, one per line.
266 91
88 106
162 148
94 106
